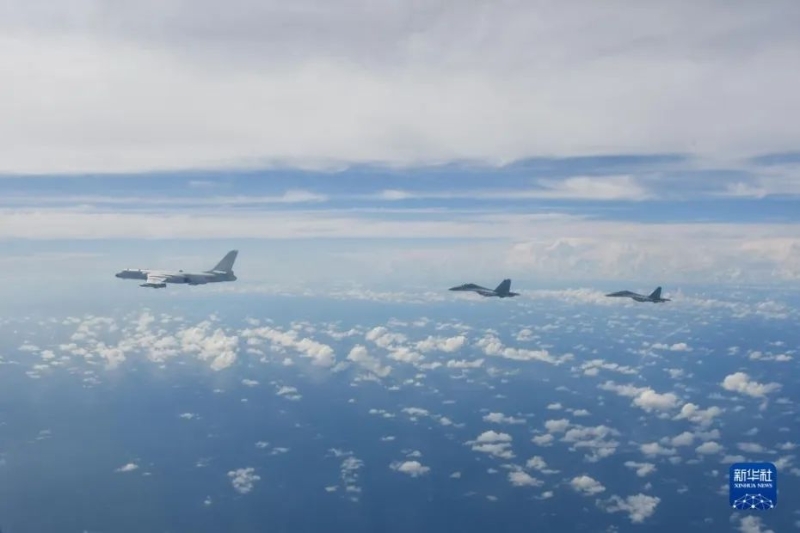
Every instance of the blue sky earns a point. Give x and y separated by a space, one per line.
615 219
402 145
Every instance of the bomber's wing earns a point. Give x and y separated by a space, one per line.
157 281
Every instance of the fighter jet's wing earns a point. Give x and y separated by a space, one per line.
623 294
470 287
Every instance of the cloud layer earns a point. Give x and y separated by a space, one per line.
98 86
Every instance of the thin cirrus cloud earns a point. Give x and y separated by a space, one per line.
179 85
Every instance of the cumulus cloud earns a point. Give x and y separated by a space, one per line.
411 468
493 443
644 397
642 469
320 354
443 344
243 479
523 479
214 346
709 448
753 524
360 355
556 426
677 347
461 363
597 440
694 414
129 467
492 346
743 384
500 418
654 449
684 439
639 507
587 485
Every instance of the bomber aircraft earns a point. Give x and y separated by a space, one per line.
158 279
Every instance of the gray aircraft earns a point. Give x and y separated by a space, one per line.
158 279
654 297
502 291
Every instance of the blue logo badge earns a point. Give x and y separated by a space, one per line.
753 486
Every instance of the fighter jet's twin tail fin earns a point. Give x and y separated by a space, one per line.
504 287
656 294
226 265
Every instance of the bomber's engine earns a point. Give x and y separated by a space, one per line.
154 285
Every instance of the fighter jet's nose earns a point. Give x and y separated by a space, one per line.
117 275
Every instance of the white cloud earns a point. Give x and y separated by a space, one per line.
752 524
741 383
249 382
684 439
639 507
243 479
412 468
649 400
492 346
548 87
694 414
596 439
587 485
556 426
644 397
750 447
653 449
290 393
443 344
320 354
493 436
130 467
642 469
523 479
216 346
462 363
493 443
500 418
677 347
593 367
360 355
709 448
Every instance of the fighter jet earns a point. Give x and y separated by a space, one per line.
502 291
158 279
654 297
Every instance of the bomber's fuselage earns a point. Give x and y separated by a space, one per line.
190 278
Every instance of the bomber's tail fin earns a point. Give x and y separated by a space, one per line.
656 294
504 287
226 265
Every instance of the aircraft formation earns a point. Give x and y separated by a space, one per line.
223 271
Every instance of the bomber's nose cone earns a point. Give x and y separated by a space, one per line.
118 275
